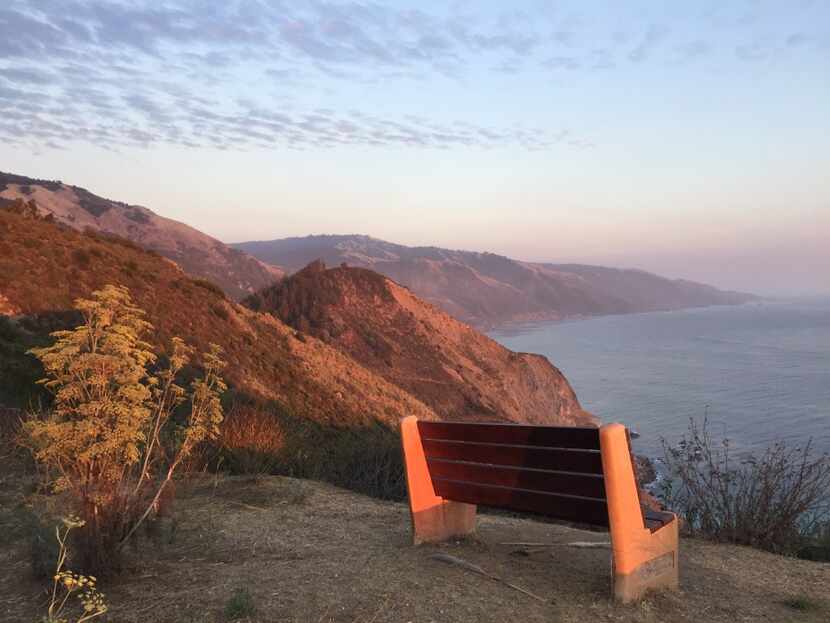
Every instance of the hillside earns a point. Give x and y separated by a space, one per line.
45 266
458 372
198 254
485 289
306 551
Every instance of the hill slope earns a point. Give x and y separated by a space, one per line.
198 254
44 266
485 289
458 372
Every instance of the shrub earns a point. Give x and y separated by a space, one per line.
251 441
43 550
105 441
81 257
209 286
219 311
18 371
816 544
258 439
773 501
803 603
240 605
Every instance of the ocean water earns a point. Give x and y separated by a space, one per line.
760 372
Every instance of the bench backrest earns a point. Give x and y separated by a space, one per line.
555 471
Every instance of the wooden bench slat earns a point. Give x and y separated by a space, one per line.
579 509
586 485
585 438
555 459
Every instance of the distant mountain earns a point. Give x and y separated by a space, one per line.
485 289
452 368
236 272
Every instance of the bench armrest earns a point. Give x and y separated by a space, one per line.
434 519
642 559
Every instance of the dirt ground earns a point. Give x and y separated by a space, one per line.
310 552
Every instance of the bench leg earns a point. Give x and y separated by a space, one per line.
434 519
659 569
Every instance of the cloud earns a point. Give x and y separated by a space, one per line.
135 72
149 119
563 62
27 75
692 50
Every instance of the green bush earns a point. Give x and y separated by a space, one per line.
240 605
209 286
268 439
803 603
81 257
19 371
43 549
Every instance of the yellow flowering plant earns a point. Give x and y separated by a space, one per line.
104 439
67 584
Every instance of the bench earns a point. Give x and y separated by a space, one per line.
583 475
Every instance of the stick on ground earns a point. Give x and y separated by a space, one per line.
458 562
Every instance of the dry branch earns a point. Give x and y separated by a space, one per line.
458 562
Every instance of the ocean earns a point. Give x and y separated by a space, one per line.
760 372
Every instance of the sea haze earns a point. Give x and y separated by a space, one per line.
761 371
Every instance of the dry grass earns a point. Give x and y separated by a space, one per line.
310 552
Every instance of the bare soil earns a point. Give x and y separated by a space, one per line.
311 552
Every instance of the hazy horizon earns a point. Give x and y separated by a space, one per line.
689 141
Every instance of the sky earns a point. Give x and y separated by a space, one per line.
688 139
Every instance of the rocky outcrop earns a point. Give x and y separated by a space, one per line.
457 371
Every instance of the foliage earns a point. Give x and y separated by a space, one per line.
210 287
18 371
816 543
43 549
772 501
106 440
803 603
240 605
26 209
259 439
66 584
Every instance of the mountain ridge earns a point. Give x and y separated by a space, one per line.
486 289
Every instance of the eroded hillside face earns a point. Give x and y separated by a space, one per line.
445 363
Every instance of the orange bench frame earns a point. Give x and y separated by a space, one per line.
641 559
